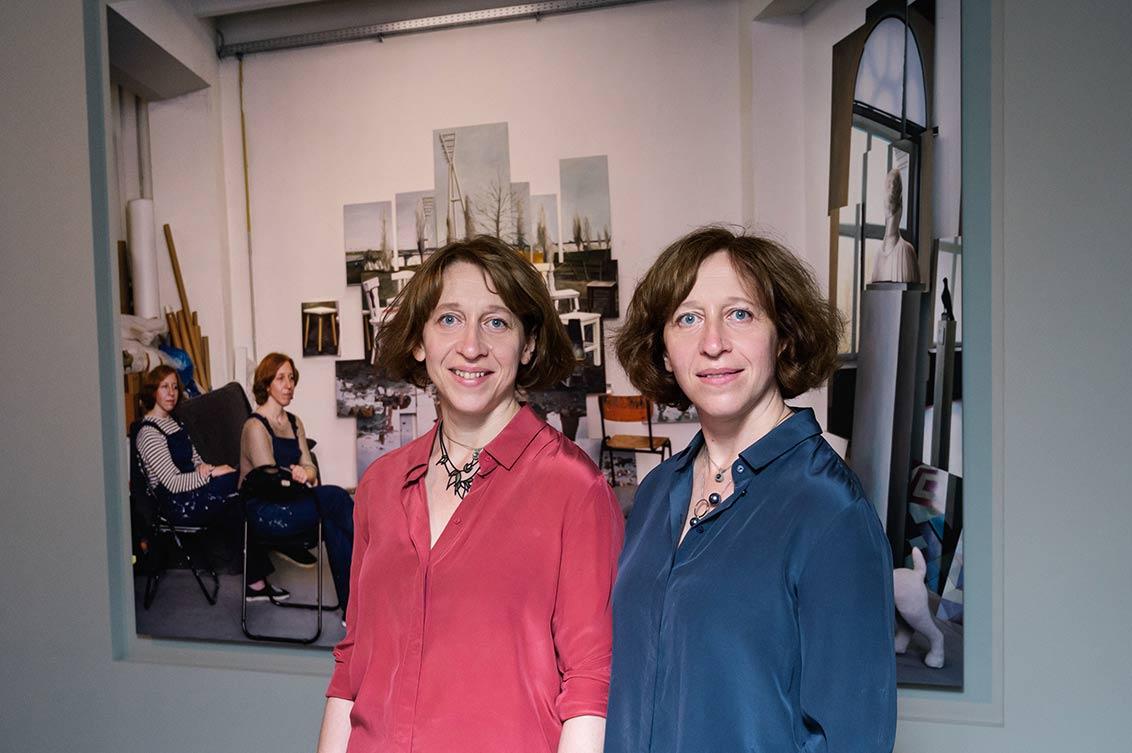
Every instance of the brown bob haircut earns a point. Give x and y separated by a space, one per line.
515 280
148 393
808 326
265 373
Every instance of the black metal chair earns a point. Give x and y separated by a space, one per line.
159 532
165 531
319 607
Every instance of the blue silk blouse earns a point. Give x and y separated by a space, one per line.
770 628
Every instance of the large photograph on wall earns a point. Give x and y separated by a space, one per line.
895 254
895 249
190 580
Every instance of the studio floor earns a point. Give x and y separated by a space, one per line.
180 611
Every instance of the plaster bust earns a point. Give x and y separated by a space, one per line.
896 261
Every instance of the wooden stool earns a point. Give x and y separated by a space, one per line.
320 312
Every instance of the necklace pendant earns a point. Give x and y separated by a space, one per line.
719 477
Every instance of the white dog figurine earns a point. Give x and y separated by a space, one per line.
911 597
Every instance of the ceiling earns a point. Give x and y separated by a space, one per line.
245 26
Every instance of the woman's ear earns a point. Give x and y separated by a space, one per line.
419 353
667 364
528 351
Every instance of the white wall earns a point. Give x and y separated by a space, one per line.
1064 162
653 86
189 193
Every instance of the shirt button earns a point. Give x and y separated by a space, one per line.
700 528
739 468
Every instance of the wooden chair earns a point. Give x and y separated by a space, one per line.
626 409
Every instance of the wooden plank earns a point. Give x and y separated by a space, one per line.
176 268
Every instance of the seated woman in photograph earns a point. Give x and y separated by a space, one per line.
485 550
753 608
274 437
189 492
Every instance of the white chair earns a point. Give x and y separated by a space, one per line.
379 309
402 276
571 297
588 319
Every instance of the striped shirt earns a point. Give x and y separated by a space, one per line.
153 448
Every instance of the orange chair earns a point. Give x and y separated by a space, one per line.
626 409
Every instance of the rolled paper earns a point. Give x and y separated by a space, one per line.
141 234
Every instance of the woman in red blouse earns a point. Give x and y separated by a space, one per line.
485 550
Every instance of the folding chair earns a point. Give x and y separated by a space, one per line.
157 557
164 529
318 606
625 409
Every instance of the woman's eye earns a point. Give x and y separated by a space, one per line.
447 320
685 320
497 323
741 315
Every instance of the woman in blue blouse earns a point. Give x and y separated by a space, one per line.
753 605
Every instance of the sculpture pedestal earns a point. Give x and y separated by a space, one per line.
944 389
884 405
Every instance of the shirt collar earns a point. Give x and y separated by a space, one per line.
504 450
417 462
781 439
778 441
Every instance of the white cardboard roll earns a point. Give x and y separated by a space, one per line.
141 235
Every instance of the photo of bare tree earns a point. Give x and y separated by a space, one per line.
367 230
545 210
416 223
519 233
585 202
471 164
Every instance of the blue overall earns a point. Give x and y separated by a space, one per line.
196 507
216 504
284 519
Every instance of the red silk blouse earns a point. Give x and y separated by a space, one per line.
492 638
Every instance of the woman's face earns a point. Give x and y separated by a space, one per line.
282 387
472 345
167 394
721 346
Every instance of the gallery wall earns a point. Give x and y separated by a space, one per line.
1065 602
652 86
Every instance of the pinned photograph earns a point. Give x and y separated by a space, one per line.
320 328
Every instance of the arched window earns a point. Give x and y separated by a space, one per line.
890 76
889 116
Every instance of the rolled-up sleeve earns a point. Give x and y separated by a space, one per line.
341 684
592 535
845 615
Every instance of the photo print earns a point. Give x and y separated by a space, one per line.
472 166
521 231
624 469
585 203
670 414
416 225
544 211
320 328
367 230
